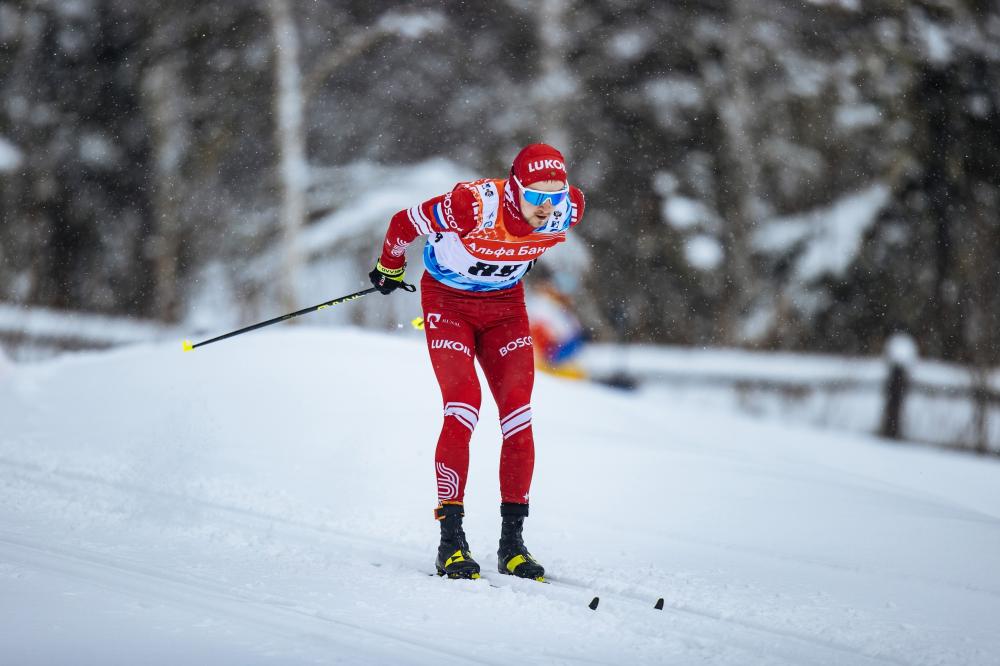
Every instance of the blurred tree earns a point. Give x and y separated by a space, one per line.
717 142
740 196
168 119
289 105
293 90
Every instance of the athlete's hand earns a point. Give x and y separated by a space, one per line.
387 280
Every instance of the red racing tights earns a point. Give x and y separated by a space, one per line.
492 327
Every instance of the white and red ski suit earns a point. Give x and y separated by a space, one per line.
479 247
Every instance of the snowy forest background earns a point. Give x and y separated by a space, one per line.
810 176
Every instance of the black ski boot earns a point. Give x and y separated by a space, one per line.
454 559
513 557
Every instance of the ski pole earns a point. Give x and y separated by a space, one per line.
328 304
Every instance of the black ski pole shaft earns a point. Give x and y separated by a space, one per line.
326 304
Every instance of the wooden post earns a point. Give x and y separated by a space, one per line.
895 391
900 353
980 409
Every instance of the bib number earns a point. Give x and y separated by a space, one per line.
482 269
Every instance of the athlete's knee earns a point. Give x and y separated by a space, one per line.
465 413
516 420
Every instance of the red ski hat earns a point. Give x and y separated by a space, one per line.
538 162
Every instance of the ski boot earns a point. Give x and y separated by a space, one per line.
454 559
513 557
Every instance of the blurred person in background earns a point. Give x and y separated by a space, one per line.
482 238
555 329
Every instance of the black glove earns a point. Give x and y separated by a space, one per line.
387 280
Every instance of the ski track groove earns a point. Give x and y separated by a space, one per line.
641 601
403 557
177 590
872 571
188 500
40 478
840 653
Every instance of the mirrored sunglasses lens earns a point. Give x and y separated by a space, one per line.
536 198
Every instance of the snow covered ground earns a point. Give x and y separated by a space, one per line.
267 500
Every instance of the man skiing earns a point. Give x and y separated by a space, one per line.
483 237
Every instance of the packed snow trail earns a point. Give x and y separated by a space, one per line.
262 502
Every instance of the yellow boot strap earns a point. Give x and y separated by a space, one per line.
515 562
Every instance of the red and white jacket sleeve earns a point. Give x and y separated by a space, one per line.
448 212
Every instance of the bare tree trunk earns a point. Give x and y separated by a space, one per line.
736 111
290 138
556 84
163 99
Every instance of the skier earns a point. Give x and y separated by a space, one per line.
555 331
483 237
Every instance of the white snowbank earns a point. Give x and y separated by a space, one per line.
46 323
6 367
264 500
816 389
